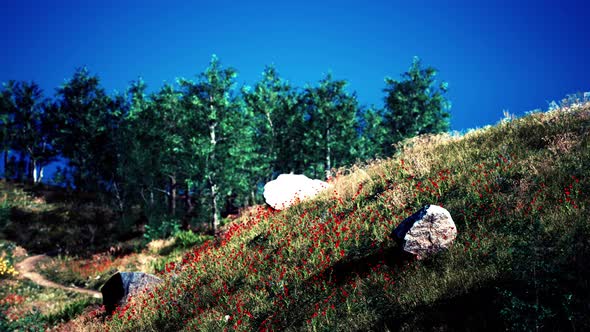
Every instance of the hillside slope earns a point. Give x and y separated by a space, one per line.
518 193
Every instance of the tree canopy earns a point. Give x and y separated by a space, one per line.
203 148
415 105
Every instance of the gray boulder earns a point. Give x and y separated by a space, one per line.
117 290
426 232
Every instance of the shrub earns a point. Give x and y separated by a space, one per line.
69 311
166 228
6 269
187 239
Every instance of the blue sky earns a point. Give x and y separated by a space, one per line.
508 55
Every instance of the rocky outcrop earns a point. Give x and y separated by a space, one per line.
122 285
426 232
289 189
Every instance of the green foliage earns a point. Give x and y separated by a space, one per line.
203 140
69 311
153 133
34 321
29 121
220 152
7 269
271 104
25 306
373 138
187 239
415 106
160 263
86 111
166 228
330 126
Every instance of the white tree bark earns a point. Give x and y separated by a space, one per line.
213 185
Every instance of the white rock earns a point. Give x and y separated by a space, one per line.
288 189
427 231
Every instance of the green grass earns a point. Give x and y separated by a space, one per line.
64 224
25 306
518 193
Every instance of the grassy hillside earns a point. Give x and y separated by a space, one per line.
518 193
36 219
85 250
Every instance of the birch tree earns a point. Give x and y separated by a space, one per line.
331 117
219 140
31 127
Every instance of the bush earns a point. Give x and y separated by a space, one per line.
166 228
187 239
6 269
6 264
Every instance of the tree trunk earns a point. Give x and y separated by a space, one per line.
273 137
328 152
172 195
212 184
212 164
118 197
33 166
41 168
37 177
216 218
189 211
270 124
37 172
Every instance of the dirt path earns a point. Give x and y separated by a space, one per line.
26 269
